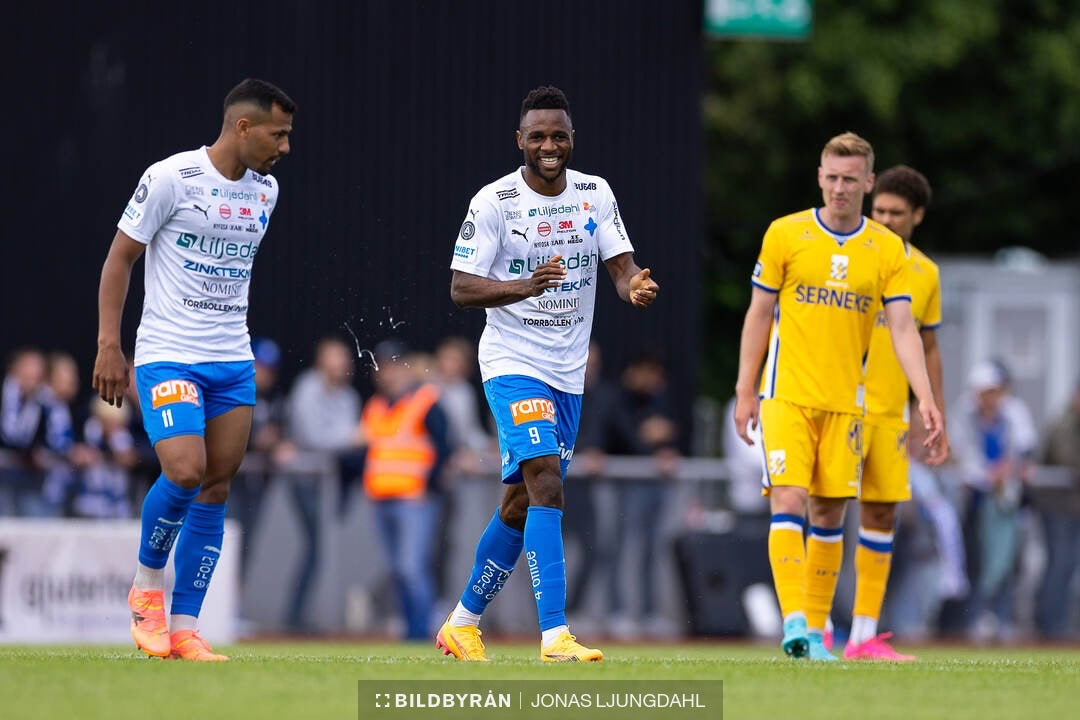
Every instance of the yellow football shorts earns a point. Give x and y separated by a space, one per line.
885 462
814 449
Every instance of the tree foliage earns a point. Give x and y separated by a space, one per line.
983 96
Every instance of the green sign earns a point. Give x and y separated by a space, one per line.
769 19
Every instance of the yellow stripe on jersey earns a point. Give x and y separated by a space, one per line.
829 288
886 384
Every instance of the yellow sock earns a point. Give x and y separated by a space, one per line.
787 557
824 555
873 560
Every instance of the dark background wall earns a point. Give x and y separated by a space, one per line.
406 109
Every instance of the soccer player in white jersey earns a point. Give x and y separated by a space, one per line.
200 217
529 252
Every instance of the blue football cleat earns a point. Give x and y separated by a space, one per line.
817 649
795 643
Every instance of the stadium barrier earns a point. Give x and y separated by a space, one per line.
65 579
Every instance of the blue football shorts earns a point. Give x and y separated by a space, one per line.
533 420
178 399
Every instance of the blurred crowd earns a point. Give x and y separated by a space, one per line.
987 550
66 453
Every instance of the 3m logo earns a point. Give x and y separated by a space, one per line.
566 224
174 391
524 411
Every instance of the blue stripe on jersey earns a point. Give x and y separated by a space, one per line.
840 238
935 326
772 358
766 288
887 300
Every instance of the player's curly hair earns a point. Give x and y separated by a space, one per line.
545 97
906 182
261 93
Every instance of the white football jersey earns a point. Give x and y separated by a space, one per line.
508 232
202 232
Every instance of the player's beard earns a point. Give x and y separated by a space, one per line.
538 171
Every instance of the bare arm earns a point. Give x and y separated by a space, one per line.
910 352
936 373
934 369
755 338
110 368
473 291
633 284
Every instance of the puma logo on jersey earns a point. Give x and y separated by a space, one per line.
522 233
174 391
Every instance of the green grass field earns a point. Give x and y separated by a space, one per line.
320 680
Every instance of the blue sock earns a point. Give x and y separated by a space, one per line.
496 554
197 553
163 512
547 566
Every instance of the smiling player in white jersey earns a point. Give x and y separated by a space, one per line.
529 252
200 217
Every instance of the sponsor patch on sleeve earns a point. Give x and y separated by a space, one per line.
132 214
174 391
532 410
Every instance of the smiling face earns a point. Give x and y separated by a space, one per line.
546 138
264 137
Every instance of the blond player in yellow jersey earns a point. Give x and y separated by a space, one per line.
820 279
901 196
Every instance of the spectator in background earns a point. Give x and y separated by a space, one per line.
323 414
408 443
929 566
640 502
455 363
994 453
21 419
1062 526
746 469
600 422
268 419
267 441
62 453
102 489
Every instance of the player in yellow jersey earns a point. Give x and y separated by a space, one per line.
820 279
901 196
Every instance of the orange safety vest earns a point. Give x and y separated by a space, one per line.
400 453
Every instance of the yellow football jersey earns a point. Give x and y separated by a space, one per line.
829 288
886 384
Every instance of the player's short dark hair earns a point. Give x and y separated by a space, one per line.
545 97
907 182
261 93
